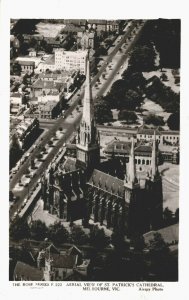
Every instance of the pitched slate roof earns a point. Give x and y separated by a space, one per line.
47 84
27 272
143 148
74 251
50 60
63 261
107 183
26 63
146 130
124 147
118 146
170 132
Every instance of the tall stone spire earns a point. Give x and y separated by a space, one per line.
131 170
131 180
154 167
88 143
88 107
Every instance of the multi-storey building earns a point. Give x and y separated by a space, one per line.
71 60
66 61
22 130
49 110
86 40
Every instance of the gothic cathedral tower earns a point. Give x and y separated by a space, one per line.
88 142
132 194
154 190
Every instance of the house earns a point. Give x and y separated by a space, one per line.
27 66
49 110
163 136
86 39
58 266
45 90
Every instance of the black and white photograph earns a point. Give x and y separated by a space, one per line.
94 149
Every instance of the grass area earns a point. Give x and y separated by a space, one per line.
170 179
170 78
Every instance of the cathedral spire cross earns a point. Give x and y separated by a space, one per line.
88 108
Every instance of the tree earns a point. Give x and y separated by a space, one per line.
33 42
32 164
103 113
138 243
118 241
16 68
100 51
164 77
11 196
98 238
167 217
39 156
108 42
133 80
50 143
58 234
78 236
128 116
142 58
19 229
38 230
174 121
163 264
177 215
154 120
131 100
119 87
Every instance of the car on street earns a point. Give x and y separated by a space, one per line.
15 214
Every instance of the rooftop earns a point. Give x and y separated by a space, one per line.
16 95
26 63
50 60
27 272
170 132
63 261
72 28
117 146
47 84
48 106
146 130
69 165
107 182
159 131
56 75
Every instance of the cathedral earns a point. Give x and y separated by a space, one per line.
86 188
